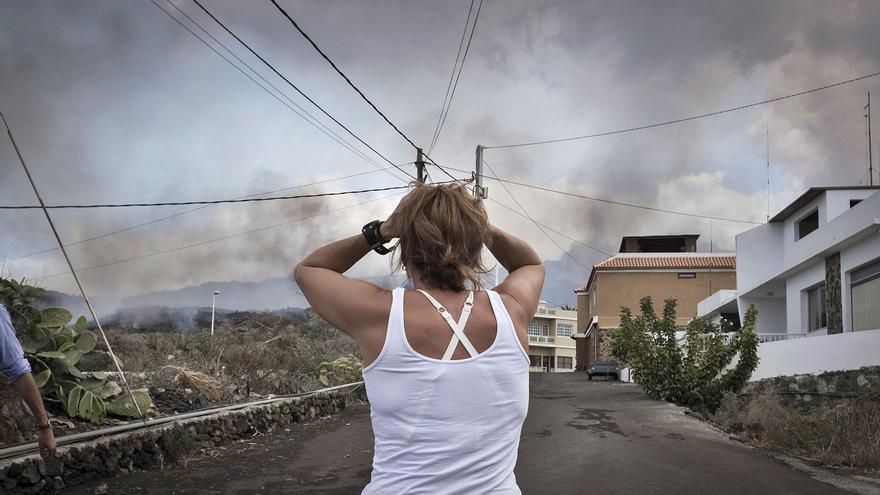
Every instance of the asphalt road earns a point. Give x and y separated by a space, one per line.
580 438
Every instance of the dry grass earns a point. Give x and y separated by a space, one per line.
238 361
845 434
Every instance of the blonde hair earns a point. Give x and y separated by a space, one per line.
442 230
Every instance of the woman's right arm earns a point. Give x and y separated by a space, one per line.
526 273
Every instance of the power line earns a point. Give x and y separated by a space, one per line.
295 87
212 202
218 239
685 119
441 120
350 83
299 110
613 202
551 229
526 213
182 213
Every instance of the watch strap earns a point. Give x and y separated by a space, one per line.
374 239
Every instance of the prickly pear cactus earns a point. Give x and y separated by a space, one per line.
67 366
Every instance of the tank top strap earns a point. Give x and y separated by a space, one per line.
507 332
395 338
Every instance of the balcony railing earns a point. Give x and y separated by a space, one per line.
762 337
776 337
542 339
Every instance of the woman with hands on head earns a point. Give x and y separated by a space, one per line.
446 362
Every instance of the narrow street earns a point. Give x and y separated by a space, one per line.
580 438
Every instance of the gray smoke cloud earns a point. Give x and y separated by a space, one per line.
113 101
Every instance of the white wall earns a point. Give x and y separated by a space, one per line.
758 256
789 236
838 201
813 355
771 313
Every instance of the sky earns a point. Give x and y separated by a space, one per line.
113 101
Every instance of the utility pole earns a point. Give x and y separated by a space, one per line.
420 165
870 157
213 305
479 189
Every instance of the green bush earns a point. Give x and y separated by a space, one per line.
692 373
67 367
346 369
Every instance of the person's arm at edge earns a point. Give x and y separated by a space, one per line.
18 370
525 271
26 386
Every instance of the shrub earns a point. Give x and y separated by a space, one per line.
691 373
845 434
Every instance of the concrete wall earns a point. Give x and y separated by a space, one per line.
813 355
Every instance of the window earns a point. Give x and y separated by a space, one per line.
563 362
534 361
808 224
818 316
534 328
865 292
854 202
687 275
545 330
563 329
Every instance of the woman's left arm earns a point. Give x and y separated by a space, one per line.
348 304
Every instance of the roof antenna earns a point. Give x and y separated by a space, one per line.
870 157
768 169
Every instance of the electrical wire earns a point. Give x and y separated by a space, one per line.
526 213
350 83
182 213
551 229
295 87
685 119
613 202
290 104
212 202
218 239
441 120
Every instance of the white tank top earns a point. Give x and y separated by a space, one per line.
447 426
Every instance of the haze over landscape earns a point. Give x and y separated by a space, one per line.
115 102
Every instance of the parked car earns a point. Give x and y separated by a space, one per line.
608 369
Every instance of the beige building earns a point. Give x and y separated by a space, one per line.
627 277
551 347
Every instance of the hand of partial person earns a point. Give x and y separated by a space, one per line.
46 442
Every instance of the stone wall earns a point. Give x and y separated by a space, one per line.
833 299
16 422
154 447
809 391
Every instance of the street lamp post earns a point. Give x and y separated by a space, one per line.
213 305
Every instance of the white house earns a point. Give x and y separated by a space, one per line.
812 271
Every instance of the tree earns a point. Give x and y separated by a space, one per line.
694 372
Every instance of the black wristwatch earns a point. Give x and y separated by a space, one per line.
371 234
